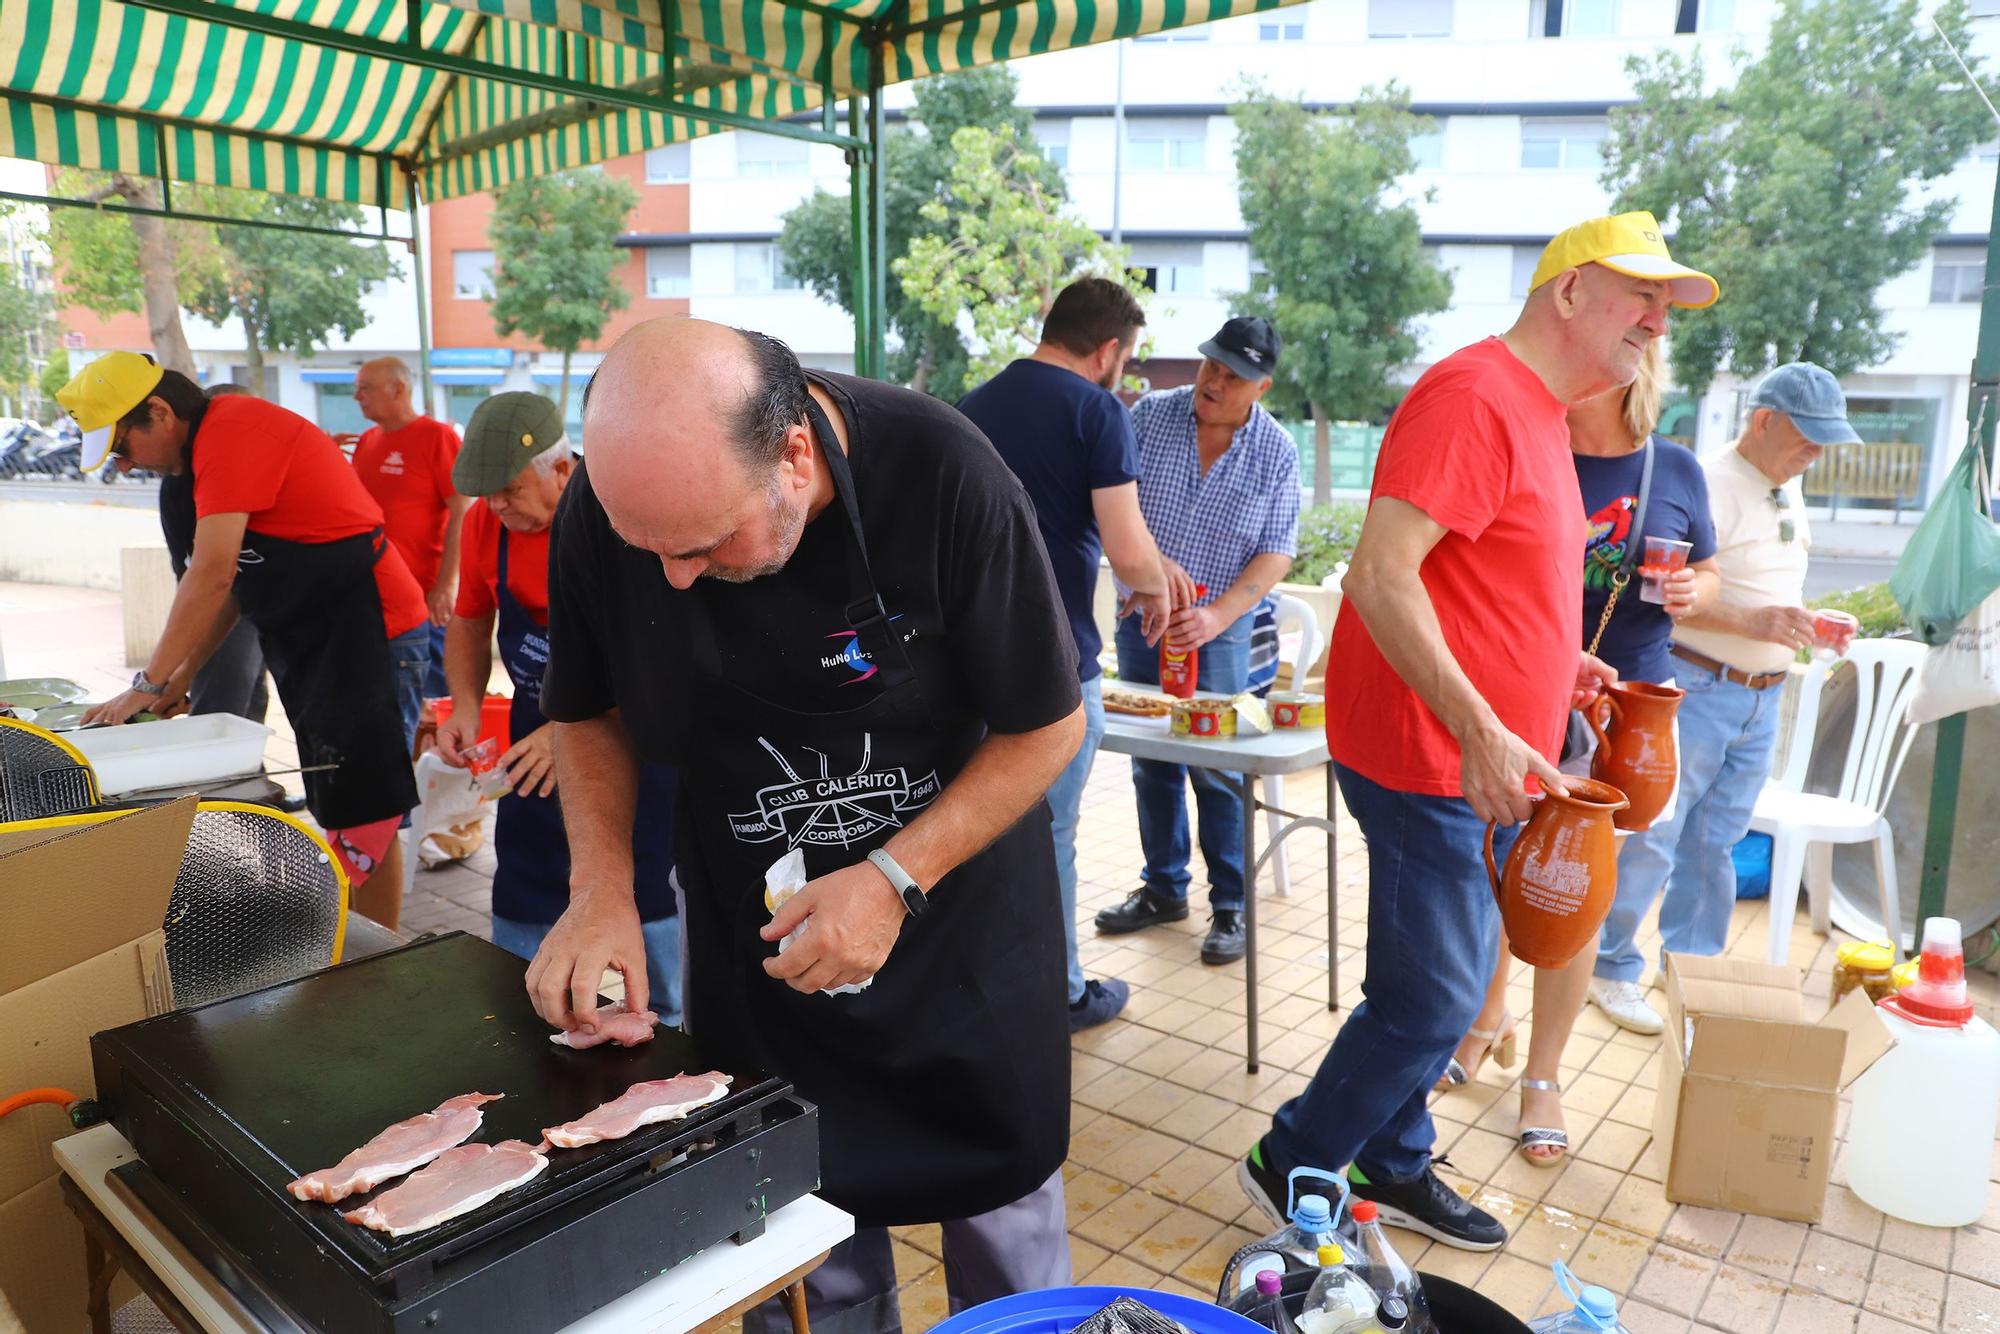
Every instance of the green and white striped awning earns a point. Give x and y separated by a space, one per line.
349 99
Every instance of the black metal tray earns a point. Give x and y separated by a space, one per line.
226 1102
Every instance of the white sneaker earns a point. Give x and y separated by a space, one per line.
1624 1003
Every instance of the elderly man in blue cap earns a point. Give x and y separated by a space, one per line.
1731 658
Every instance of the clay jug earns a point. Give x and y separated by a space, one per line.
1561 874
1636 754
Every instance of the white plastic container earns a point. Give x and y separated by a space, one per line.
1920 1139
175 752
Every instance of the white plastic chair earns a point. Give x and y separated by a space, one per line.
1805 826
1293 610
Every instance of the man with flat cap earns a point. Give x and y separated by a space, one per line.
517 462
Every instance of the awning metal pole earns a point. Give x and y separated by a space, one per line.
423 296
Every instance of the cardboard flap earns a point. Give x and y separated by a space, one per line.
1766 1052
70 890
1734 987
1868 1038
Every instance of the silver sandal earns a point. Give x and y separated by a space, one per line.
1543 1137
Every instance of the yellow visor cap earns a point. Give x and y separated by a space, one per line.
102 392
1629 243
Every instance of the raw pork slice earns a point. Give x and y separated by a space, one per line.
643 1104
616 1024
460 1181
401 1148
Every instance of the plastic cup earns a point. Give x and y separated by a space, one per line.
482 759
1833 632
1663 557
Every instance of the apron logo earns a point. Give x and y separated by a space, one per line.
832 810
248 556
851 658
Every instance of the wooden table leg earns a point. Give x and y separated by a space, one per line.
99 1269
795 1302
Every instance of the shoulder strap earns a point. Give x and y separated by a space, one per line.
1635 544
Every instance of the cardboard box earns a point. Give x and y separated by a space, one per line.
1749 1088
81 950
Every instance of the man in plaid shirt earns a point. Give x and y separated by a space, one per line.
1219 488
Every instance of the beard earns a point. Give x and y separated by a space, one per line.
787 524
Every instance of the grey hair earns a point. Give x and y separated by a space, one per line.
545 462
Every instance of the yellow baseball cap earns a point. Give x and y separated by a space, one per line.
1628 243
102 392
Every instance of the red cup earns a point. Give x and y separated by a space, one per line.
1833 631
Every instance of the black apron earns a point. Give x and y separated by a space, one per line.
319 617
531 880
943 1088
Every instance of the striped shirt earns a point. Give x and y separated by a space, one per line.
1213 524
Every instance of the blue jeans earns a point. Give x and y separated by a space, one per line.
1433 938
1224 669
411 652
434 686
663 957
1065 800
1728 733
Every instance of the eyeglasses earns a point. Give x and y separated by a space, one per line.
1786 529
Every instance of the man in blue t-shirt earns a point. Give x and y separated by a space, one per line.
1055 421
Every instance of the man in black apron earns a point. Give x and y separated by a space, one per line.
515 464
876 671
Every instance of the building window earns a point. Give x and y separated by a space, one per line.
1957 276
1409 18
1052 138
760 269
1707 16
338 413
1526 257
460 401
1282 30
1171 267
1166 145
1573 18
472 275
1563 145
1985 9
1428 148
667 271
770 155
667 166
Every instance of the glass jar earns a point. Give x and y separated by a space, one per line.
1866 964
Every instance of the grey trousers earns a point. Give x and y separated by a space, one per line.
232 680
1018 1247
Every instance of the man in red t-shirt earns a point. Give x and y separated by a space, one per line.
405 460
1454 664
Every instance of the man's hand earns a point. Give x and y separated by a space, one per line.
597 931
347 440
529 761
456 734
121 708
1592 676
1191 627
439 601
1790 626
1180 584
853 918
1493 768
1680 592
1154 610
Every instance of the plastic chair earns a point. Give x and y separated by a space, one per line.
1290 610
1805 826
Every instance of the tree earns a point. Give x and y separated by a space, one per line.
290 289
128 262
1346 276
998 247
917 164
55 374
554 254
1800 187
26 330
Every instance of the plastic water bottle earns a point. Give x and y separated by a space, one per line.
1592 1310
1294 1246
1339 1299
1269 1312
1386 1271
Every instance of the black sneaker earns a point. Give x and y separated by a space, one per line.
1429 1206
1225 942
1266 1186
1139 911
1101 1003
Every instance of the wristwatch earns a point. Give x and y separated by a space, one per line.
913 898
141 686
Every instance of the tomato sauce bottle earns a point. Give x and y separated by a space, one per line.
1179 667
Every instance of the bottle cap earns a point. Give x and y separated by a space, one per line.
1330 1255
1600 1305
1362 1211
1269 1284
1937 999
1313 1213
1394 1313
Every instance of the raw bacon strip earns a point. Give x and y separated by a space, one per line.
616 1024
401 1148
460 1181
643 1104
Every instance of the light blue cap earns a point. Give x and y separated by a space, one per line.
1313 1213
1600 1305
1811 397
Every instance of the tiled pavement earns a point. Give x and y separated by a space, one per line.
1162 1105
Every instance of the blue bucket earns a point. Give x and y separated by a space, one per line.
1753 866
1059 1310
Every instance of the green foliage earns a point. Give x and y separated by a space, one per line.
1002 247
555 257
1346 273
816 243
25 323
55 374
1872 604
97 255
1327 534
1800 187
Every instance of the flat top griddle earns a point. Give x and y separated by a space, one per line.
292 1078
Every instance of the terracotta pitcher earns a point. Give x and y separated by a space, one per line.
1636 754
1561 875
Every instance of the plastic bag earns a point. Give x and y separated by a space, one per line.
1952 563
786 877
1963 673
1126 1316
449 822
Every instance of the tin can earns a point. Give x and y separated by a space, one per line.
1293 708
1203 719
